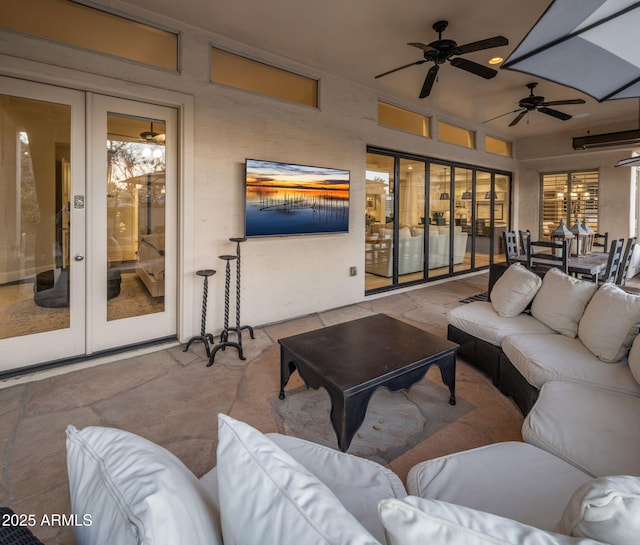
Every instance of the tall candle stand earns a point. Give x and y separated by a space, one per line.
204 338
239 327
224 335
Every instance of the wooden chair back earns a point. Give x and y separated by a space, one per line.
550 252
600 241
621 280
613 263
525 237
510 245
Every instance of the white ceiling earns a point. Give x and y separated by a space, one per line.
358 39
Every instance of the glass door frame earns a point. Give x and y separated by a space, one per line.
103 334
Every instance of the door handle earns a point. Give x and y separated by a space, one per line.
78 257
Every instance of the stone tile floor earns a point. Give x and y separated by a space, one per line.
170 397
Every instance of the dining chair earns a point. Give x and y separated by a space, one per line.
510 245
554 254
525 237
621 280
610 274
601 241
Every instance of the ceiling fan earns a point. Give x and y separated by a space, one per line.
441 51
537 103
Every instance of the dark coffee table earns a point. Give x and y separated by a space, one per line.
353 359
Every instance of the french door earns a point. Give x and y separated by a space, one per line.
88 245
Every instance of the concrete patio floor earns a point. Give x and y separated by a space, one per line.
170 397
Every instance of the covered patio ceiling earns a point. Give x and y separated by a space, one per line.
360 39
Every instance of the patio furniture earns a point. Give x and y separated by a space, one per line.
610 274
510 245
626 261
353 359
552 254
525 237
601 241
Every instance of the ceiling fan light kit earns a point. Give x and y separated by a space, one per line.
443 50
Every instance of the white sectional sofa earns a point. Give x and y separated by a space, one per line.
575 480
279 490
560 329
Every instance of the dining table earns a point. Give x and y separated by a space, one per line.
588 265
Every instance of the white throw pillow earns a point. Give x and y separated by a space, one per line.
606 509
266 497
358 483
561 301
128 490
634 359
610 323
414 521
514 290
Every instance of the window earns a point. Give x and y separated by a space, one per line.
238 71
572 196
456 135
497 146
404 120
60 20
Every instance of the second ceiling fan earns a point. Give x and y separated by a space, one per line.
441 51
537 103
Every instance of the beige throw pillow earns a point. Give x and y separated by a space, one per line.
561 301
610 323
514 290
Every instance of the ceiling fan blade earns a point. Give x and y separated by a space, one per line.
421 61
429 81
554 113
473 67
518 118
496 41
424 47
501 115
561 102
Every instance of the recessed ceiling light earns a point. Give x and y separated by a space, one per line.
495 60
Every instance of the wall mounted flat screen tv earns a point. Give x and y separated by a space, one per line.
287 199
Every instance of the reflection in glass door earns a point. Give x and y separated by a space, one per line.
136 222
134 236
42 236
379 221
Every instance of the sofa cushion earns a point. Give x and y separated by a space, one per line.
594 429
265 494
561 300
610 322
482 321
634 359
542 358
135 492
606 509
514 290
415 521
465 477
358 483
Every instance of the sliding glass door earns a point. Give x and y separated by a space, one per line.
450 219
